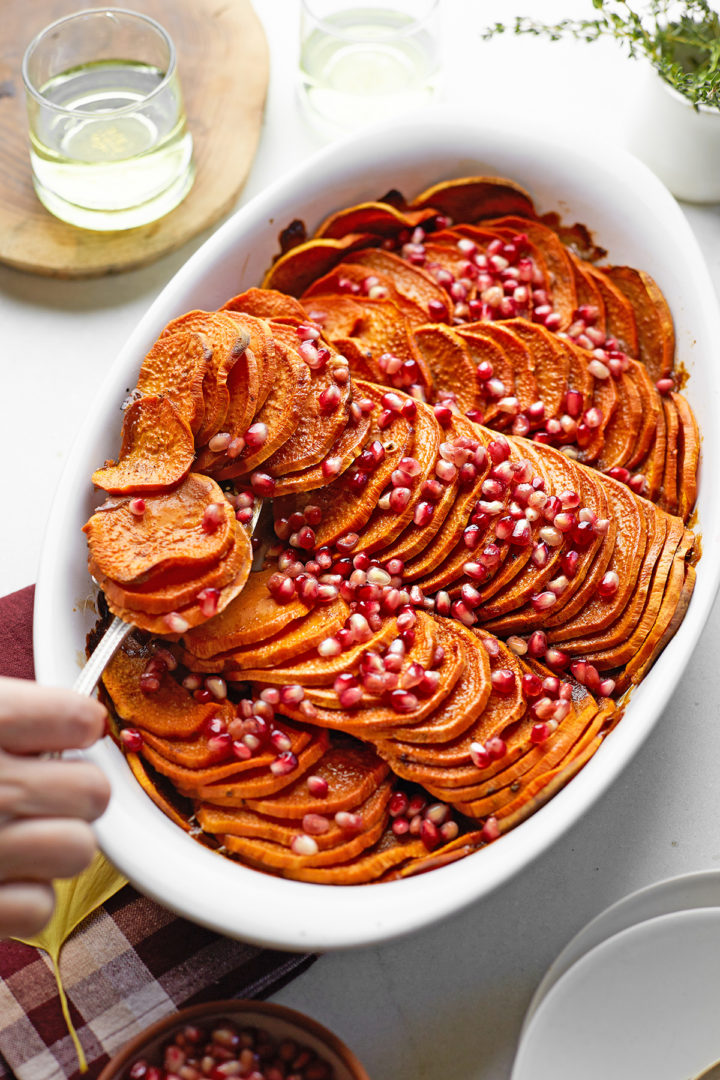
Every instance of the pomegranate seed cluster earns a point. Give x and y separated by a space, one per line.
229 1050
479 472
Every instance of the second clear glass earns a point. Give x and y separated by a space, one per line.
364 60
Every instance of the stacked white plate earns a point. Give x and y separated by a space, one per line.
635 995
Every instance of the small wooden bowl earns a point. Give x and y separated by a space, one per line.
280 1022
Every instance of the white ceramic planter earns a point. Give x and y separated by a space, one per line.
679 143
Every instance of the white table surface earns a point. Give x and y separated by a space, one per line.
447 1003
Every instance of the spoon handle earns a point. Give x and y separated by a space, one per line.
110 642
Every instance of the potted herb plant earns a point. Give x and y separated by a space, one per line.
677 123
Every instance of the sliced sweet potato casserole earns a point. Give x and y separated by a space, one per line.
480 475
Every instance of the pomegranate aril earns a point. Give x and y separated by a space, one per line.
302 844
262 484
609 585
503 680
348 822
284 764
212 518
291 694
317 786
132 740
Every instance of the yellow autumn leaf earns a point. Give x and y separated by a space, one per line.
75 899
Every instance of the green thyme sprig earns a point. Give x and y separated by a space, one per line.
680 39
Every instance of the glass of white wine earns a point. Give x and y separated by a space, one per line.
109 145
364 60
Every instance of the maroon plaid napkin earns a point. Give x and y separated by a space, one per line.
127 965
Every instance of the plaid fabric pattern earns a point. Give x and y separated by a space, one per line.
126 966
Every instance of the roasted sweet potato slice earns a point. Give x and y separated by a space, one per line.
556 260
630 548
170 710
551 362
656 334
542 788
319 424
449 363
669 497
240 821
377 720
577 238
182 618
619 314
346 278
351 770
169 592
265 853
417 538
378 218
506 605
627 618
344 510
651 406
653 468
461 707
518 355
254 617
620 434
280 412
385 526
381 329
689 452
422 568
588 294
313 670
421 652
127 547
248 384
260 782
157 450
294 640
175 368
299 267
198 754
676 596
389 851
339 315
227 344
483 350
678 614
507 798
412 281
667 569
190 779
265 304
343 452
474 198
466 783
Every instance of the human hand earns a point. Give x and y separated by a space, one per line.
45 805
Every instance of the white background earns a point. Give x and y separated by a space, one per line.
445 1004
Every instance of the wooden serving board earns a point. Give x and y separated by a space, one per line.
223 66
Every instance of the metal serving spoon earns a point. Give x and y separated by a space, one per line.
116 633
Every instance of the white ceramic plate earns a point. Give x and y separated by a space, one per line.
684 893
644 1004
638 221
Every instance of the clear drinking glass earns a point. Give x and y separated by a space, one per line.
364 60
109 146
